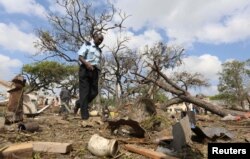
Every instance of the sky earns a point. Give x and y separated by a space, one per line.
212 31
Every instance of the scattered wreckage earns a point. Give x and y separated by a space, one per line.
19 104
128 130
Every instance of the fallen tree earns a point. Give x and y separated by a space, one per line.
155 63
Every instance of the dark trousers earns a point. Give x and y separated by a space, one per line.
88 88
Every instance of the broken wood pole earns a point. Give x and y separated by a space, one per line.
147 152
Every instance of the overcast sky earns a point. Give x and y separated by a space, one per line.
211 31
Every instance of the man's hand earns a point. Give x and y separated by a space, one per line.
89 66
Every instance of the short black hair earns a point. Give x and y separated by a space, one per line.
97 34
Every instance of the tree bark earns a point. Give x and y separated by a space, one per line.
173 101
203 104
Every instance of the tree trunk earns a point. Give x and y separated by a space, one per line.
203 104
117 93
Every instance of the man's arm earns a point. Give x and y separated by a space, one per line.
81 53
84 62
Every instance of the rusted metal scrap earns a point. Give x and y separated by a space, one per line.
134 127
212 133
14 111
181 134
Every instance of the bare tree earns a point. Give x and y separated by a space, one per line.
117 66
79 23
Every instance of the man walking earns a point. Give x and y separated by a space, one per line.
89 57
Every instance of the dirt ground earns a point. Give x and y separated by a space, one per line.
68 129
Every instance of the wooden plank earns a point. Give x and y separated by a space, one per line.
17 150
133 141
147 152
163 138
53 147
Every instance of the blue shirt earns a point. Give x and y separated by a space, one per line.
91 53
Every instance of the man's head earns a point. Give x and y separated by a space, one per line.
98 38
